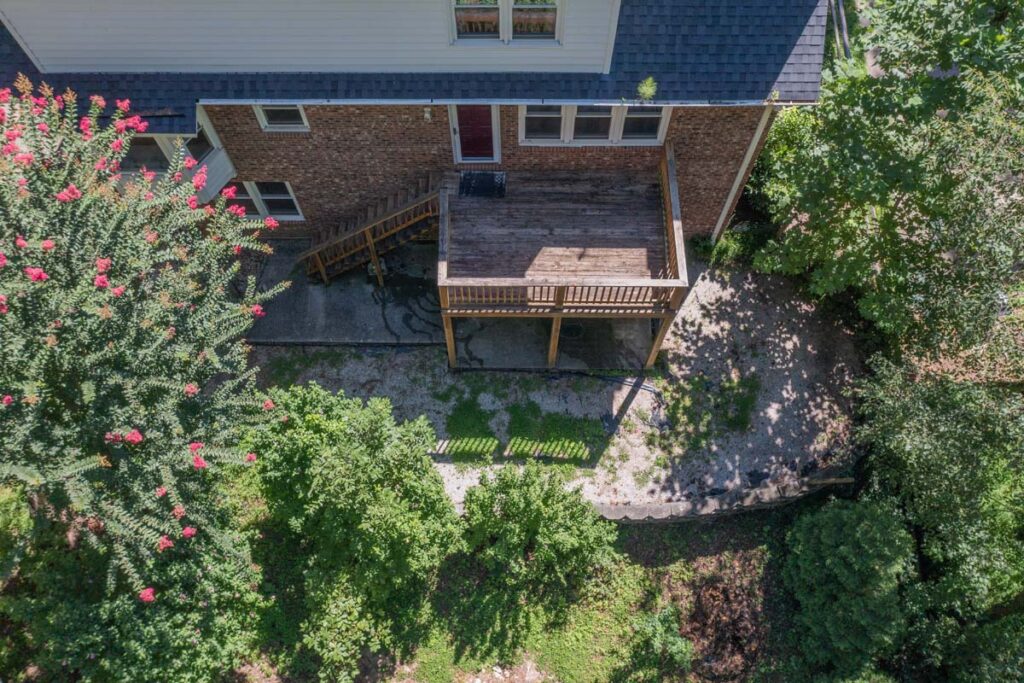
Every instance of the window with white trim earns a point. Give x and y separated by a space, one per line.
287 118
506 20
580 125
200 146
267 199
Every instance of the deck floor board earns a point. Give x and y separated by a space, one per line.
588 224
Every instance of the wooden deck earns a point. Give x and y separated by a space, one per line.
562 224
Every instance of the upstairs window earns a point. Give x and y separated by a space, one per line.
506 20
199 146
282 117
477 19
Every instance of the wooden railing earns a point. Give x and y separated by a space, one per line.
668 175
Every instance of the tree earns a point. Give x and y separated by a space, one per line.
904 188
123 379
846 565
534 535
364 497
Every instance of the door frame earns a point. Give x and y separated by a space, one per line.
453 117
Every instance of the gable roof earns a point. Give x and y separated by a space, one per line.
698 52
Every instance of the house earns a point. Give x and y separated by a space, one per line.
516 131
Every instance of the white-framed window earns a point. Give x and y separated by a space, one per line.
267 198
285 118
507 21
580 125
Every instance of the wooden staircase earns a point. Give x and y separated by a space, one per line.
376 230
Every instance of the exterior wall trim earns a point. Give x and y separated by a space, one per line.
510 102
613 22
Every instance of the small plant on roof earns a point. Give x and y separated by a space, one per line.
120 333
647 89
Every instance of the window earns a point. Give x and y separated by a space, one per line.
278 201
592 123
534 18
506 20
243 198
199 146
145 152
543 122
282 117
477 19
589 124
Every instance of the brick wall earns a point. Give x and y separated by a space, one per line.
353 155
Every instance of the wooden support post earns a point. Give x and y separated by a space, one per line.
320 266
449 338
556 329
373 256
666 324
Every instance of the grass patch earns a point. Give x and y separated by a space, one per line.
534 433
286 368
470 438
698 411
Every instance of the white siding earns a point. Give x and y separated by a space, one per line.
288 35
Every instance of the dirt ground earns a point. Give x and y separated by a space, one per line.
752 386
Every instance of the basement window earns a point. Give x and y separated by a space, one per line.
265 198
243 198
199 146
144 152
282 117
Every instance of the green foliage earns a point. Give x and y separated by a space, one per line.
846 566
532 534
992 653
533 432
360 492
659 652
736 246
121 333
15 527
647 89
898 187
199 627
700 410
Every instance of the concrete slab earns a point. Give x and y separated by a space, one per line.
351 309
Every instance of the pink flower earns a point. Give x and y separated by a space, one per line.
117 145
25 159
98 101
69 193
12 134
177 176
270 222
237 209
160 491
9 148
101 165
199 179
191 390
190 163
123 105
3 259
188 532
47 245
147 595
178 512
257 311
195 446
3 115
117 291
209 210
193 202
102 265
3 304
22 182
134 437
101 281
198 462
148 175
268 405
42 128
85 125
151 236
112 437
5 95
237 249
36 274
20 242
250 457
163 544
148 196
7 399
229 192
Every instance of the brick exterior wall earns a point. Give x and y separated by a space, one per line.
352 155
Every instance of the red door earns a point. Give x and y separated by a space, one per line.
476 134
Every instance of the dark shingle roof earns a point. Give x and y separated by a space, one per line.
698 51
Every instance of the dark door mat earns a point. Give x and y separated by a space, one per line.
482 184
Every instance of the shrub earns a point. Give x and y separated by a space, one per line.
845 567
659 651
363 496
736 246
533 534
992 653
120 336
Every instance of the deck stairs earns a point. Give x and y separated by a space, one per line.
377 229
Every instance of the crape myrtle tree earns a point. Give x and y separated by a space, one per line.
123 379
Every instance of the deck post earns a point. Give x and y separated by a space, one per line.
666 324
373 256
449 338
556 329
320 266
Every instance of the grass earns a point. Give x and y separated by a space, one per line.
470 438
736 246
700 410
534 433
286 368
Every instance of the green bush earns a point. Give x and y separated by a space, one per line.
363 498
846 565
736 246
992 653
659 652
533 534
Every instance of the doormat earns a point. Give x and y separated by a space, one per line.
482 184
